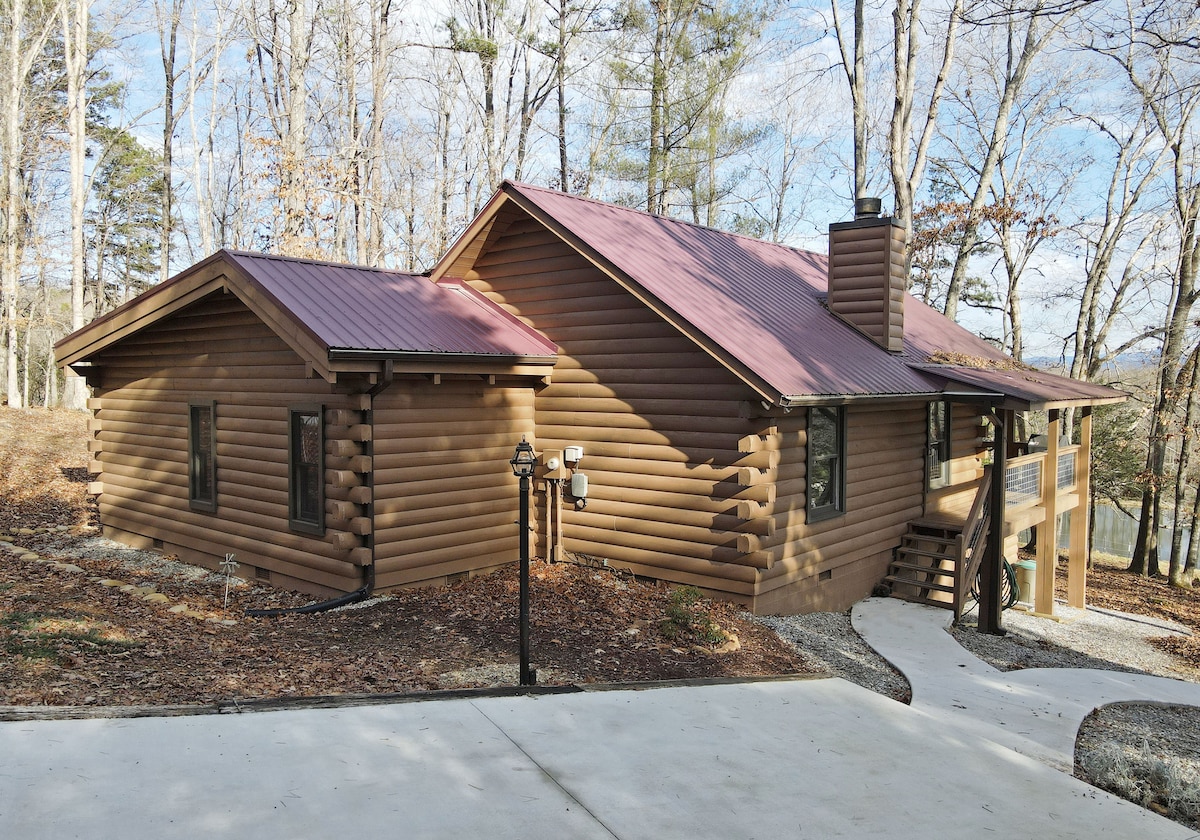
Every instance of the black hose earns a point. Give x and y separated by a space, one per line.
360 594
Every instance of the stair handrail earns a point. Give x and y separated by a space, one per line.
972 544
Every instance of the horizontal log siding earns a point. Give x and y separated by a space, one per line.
657 417
967 446
445 495
884 491
215 350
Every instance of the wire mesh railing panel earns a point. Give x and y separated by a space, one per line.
1023 483
1066 470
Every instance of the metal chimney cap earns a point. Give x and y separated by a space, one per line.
867 207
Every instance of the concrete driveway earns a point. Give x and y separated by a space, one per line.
788 759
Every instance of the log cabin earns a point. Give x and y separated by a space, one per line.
781 428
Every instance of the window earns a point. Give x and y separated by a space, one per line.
306 470
826 462
202 463
937 450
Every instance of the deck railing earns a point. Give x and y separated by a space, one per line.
1025 478
1066 471
972 543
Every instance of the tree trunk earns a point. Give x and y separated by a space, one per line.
75 35
560 81
655 188
1175 563
168 44
855 66
906 166
295 140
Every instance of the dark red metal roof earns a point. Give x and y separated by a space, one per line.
355 308
1032 387
764 305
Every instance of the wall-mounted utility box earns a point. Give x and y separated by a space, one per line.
579 486
556 468
573 454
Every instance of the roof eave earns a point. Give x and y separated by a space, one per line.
434 357
802 400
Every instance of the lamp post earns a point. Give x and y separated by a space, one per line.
523 462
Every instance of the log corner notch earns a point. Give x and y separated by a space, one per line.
755 500
348 479
766 439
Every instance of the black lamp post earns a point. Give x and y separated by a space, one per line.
523 462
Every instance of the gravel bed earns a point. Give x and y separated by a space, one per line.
1089 638
64 542
828 642
1146 753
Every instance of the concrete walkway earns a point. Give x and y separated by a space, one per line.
808 758
1036 712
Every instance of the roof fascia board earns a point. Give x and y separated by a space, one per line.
475 234
165 300
696 336
806 400
433 359
1079 403
281 321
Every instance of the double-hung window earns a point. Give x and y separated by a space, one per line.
306 470
937 448
202 459
826 461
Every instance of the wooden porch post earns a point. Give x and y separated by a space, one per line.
989 596
1081 531
1047 536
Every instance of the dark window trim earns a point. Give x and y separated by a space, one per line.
198 499
942 447
295 521
838 506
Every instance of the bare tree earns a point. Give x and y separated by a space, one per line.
26 36
283 39
1165 81
75 14
1023 40
854 62
908 164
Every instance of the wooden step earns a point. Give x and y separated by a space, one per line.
917 599
924 552
917 567
920 584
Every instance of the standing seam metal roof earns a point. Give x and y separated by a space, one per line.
370 309
764 303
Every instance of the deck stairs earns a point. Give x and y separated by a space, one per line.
937 560
924 565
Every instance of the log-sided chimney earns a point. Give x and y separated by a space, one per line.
867 274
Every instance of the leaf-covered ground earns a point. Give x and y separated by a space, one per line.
83 624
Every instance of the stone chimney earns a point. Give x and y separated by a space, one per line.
867 274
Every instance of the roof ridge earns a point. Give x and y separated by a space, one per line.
611 205
261 255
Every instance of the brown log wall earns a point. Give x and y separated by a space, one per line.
216 350
830 564
658 418
445 495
